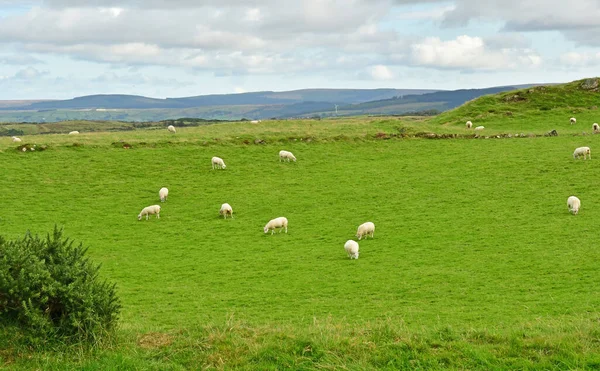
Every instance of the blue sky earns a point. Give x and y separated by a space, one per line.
57 49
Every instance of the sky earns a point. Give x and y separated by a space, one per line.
60 49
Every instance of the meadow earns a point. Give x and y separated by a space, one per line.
476 262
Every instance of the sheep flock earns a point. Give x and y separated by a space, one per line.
279 224
364 230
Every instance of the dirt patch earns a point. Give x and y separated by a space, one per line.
154 340
381 135
514 98
31 147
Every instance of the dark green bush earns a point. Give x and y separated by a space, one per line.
51 290
11 132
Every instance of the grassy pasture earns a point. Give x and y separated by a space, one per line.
471 235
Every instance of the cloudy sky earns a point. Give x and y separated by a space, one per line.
171 48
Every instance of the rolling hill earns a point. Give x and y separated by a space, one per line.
120 101
533 107
256 105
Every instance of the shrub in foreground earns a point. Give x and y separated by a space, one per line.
50 289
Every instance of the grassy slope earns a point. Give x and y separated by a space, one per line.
475 260
541 108
235 132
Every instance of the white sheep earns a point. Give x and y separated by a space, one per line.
73 132
171 129
150 210
573 204
286 155
582 151
254 121
469 124
281 223
15 139
226 210
218 163
351 248
595 127
365 229
479 128
573 120
163 194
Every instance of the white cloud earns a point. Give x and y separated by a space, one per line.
575 19
575 59
19 59
381 72
527 15
434 14
138 78
469 53
29 73
253 15
286 42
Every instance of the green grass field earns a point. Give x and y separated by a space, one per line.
476 262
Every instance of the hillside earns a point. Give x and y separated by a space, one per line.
446 99
120 101
533 107
256 105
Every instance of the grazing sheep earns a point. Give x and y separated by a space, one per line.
582 151
73 132
595 127
573 203
150 210
469 124
480 128
163 193
365 229
273 224
351 248
15 139
286 155
218 163
254 121
572 120
226 210
171 129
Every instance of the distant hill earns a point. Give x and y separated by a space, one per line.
256 105
120 101
18 103
436 101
